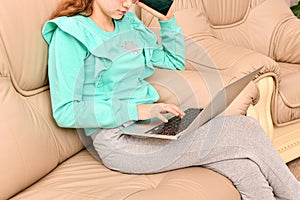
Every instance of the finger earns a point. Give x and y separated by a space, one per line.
171 11
175 110
172 111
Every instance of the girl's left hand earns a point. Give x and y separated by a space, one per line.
157 14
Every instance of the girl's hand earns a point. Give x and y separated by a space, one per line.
155 13
148 111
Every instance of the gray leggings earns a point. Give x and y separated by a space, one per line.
235 147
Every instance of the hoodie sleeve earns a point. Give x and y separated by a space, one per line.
171 53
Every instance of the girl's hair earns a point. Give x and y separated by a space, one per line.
73 7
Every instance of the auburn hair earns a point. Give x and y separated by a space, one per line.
73 7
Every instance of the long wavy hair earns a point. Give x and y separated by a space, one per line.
73 7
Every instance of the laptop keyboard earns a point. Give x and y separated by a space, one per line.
176 124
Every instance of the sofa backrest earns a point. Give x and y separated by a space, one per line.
31 144
252 24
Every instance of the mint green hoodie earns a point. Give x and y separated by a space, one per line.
97 78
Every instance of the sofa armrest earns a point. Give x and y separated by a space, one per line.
262 110
209 55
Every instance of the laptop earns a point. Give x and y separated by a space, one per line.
194 117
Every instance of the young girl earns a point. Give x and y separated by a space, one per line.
100 54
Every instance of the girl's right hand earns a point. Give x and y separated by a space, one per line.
148 111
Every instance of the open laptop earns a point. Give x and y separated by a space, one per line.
194 117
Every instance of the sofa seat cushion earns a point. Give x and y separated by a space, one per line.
83 177
287 100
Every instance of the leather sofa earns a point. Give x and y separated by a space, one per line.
39 160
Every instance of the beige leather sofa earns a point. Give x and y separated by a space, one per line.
42 161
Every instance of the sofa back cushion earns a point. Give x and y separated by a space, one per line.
31 144
249 23
218 15
20 32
